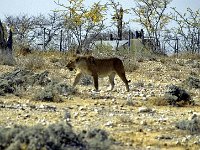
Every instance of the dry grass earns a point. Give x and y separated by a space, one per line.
189 56
95 110
157 101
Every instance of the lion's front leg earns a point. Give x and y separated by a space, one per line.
77 78
96 84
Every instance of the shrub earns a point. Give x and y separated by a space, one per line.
157 101
175 95
56 136
103 50
96 139
193 125
130 65
52 92
21 79
47 94
86 80
192 82
32 62
6 87
65 89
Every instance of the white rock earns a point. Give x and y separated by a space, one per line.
144 109
143 122
109 124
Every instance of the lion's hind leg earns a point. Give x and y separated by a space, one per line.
111 79
123 77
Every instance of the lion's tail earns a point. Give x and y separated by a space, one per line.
129 80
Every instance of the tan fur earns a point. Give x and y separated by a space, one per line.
98 68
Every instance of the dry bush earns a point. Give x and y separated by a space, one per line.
47 95
7 60
193 125
186 55
31 62
130 65
24 51
157 101
58 136
175 68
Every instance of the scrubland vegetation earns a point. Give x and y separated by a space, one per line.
41 110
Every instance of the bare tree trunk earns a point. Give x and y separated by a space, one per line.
6 56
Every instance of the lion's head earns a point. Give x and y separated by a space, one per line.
80 61
71 65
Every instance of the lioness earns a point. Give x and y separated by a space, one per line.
98 68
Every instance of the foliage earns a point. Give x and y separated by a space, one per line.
55 136
30 30
96 139
118 17
84 23
193 125
22 79
192 82
12 81
47 94
31 62
176 95
187 29
151 15
86 80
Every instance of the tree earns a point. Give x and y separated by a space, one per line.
34 30
150 14
118 17
187 29
6 56
21 26
83 23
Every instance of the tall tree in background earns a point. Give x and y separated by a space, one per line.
84 23
6 56
31 30
151 15
22 26
118 17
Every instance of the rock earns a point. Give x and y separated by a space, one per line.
143 122
109 124
144 110
164 137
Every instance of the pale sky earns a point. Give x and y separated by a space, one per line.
36 7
